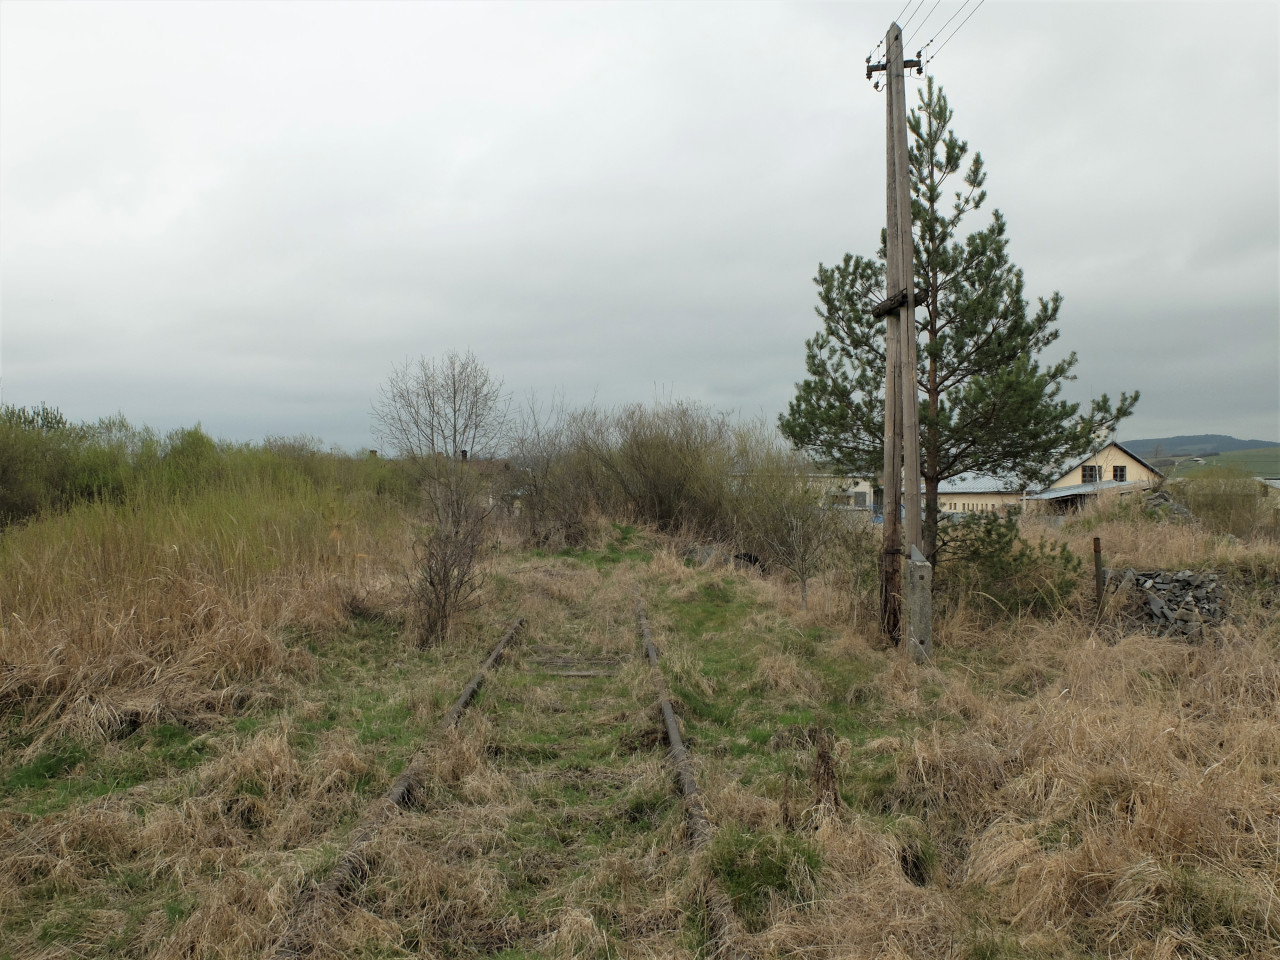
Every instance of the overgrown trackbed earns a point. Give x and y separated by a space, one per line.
602 772
350 814
1031 793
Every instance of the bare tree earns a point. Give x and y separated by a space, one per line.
440 414
446 417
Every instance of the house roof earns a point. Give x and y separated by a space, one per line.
995 483
1081 461
979 483
1079 489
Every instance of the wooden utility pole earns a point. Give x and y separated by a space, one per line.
891 547
905 282
901 406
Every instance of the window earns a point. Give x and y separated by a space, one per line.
1090 474
860 496
1118 473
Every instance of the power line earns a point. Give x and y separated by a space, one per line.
942 29
913 15
949 19
956 30
902 30
920 26
872 52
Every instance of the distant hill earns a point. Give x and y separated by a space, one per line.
1196 446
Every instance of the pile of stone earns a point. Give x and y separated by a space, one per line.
1160 500
1181 602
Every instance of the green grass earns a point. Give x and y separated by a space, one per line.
50 765
753 866
764 732
1212 907
72 771
370 686
625 546
367 685
1256 462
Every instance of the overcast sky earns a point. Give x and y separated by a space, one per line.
244 214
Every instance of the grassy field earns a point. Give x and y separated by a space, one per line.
197 711
1258 462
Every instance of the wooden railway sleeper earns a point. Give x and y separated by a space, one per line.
354 865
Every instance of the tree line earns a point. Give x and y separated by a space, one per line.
50 463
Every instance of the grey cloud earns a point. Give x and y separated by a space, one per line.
249 216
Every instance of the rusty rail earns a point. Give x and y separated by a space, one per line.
725 930
354 865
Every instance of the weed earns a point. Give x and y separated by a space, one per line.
755 868
46 766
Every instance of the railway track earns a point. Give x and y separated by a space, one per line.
354 864
725 932
567 679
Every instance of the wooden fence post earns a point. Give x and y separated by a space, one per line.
1098 584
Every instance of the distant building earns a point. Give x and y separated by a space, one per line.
979 493
1110 468
1113 463
844 493
1269 488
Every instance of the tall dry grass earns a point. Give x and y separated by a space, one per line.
1131 537
161 608
1079 790
1132 803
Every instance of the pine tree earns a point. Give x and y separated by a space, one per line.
987 402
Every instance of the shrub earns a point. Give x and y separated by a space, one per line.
35 461
1226 499
554 482
854 554
446 578
668 464
993 565
777 509
40 419
24 489
189 460
98 473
